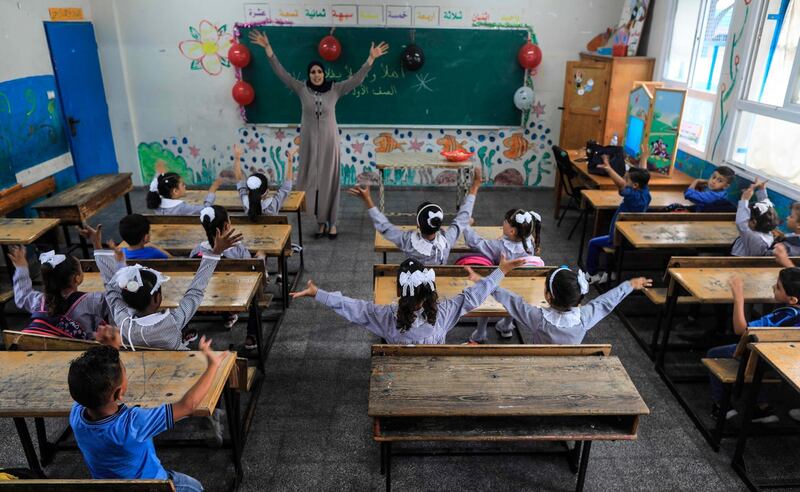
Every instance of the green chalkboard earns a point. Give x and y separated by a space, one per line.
468 79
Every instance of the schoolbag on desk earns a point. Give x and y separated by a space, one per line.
62 325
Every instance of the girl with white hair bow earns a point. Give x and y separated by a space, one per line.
428 244
254 190
755 222
419 317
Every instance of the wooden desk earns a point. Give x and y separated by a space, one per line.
501 398
76 205
34 384
530 288
383 245
402 162
181 239
606 202
24 231
688 235
18 196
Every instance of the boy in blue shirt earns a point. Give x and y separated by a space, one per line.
711 195
117 440
635 198
789 244
135 230
786 291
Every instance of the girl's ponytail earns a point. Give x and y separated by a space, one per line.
416 286
257 185
162 186
213 219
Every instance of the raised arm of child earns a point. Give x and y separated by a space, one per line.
618 180
739 319
25 297
462 218
388 230
782 256
186 405
238 175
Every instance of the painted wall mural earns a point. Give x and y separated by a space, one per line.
208 48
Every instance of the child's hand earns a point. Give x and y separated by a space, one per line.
477 175
508 265
108 335
215 185
119 255
605 164
94 235
362 191
290 157
224 240
737 286
237 163
474 277
760 184
161 167
537 251
16 253
640 283
472 221
747 194
213 359
309 291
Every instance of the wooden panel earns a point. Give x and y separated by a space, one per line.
501 386
530 288
725 261
34 384
85 199
181 239
386 160
459 271
235 219
610 199
784 358
88 485
226 291
16 340
677 181
710 285
488 232
296 201
583 116
676 217
24 231
18 197
624 72
678 235
493 350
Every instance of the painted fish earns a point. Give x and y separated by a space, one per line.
516 146
385 142
449 143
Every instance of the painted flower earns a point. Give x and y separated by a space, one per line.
208 48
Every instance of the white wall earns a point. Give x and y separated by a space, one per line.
155 98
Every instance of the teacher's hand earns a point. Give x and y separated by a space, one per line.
377 51
259 38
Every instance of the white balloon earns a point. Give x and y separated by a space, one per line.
523 98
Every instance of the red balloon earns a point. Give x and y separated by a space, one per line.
243 93
529 56
239 55
330 48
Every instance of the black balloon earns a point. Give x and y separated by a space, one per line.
413 58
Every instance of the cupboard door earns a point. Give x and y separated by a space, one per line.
585 100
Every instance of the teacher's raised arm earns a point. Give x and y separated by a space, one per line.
357 78
259 38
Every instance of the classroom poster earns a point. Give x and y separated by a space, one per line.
634 15
398 15
662 138
256 12
426 16
370 15
288 13
314 14
453 17
344 15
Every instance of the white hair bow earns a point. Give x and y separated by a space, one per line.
535 215
433 215
583 282
523 218
154 183
51 258
207 212
253 183
410 281
763 205
130 278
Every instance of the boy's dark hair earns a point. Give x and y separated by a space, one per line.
790 280
254 196
525 229
565 292
218 224
166 183
94 375
56 280
795 207
140 300
726 172
133 228
764 222
639 176
423 295
428 225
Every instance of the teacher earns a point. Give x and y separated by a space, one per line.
318 175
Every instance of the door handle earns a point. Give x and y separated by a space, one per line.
560 108
73 125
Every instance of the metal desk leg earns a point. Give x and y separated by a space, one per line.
128 207
384 257
386 451
381 191
254 325
620 257
67 238
234 431
582 245
285 284
84 247
300 239
27 444
46 448
673 291
738 456
587 445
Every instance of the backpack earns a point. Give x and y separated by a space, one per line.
42 323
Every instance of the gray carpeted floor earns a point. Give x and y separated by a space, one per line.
311 430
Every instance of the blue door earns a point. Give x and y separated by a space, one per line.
73 51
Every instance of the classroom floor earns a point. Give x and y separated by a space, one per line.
311 430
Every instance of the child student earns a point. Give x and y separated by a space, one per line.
711 195
418 317
135 230
635 198
519 226
789 244
62 310
253 190
563 322
755 222
134 294
116 440
166 189
786 291
428 244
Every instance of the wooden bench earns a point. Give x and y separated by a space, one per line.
18 196
87 485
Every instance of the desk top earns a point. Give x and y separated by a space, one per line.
784 357
457 386
85 199
226 291
605 199
655 234
384 160
710 285
530 288
181 239
34 384
24 231
383 245
296 201
676 181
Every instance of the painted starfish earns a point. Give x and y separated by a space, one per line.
194 151
252 144
280 135
358 147
416 145
538 109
